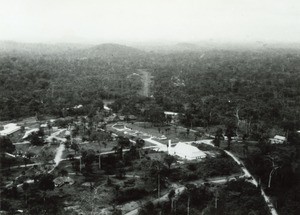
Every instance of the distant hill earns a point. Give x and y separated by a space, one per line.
80 51
186 47
109 50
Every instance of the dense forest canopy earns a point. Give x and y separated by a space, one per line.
209 86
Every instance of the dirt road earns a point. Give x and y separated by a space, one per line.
146 79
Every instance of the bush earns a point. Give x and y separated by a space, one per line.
129 194
190 176
5 205
147 209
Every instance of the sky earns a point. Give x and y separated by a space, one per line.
97 21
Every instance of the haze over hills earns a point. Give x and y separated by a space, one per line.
109 50
131 51
39 48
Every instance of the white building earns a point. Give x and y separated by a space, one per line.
172 115
106 108
27 133
10 129
278 139
186 151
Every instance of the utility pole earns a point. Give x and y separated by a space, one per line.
188 205
216 201
80 164
100 160
99 156
175 207
158 185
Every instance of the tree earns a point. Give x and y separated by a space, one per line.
29 155
8 161
229 133
169 159
156 174
5 205
132 154
148 209
120 170
122 143
75 131
139 143
218 137
68 142
25 188
155 114
46 156
63 172
36 139
187 132
45 182
6 145
41 132
71 157
49 126
171 196
88 157
75 147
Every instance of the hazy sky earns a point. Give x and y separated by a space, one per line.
94 21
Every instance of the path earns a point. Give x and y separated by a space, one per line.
179 190
247 174
146 79
57 158
21 166
252 180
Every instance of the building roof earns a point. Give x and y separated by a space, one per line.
10 129
278 137
170 113
187 151
106 108
59 181
78 106
27 133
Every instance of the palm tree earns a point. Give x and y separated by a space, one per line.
229 134
122 143
49 127
140 143
218 137
156 168
26 188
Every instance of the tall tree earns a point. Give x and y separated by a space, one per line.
6 145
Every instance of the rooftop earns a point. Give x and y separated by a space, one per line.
9 129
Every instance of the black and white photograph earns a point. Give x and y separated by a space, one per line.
149 107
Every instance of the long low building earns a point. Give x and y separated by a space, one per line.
10 129
278 139
186 151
